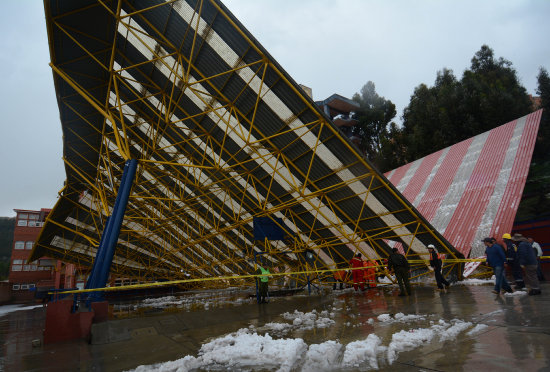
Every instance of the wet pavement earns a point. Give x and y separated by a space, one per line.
517 336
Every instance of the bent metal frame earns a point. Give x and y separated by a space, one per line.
218 134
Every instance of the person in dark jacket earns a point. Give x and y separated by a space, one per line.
435 262
399 264
496 259
528 261
538 253
513 262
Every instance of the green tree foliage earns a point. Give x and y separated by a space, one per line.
7 225
543 141
488 95
536 196
374 116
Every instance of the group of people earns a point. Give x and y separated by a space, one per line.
363 274
398 264
522 256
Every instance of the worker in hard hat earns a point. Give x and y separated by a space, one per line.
513 262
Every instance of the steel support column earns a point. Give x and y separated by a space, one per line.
106 251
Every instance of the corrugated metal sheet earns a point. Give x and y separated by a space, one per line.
472 189
222 134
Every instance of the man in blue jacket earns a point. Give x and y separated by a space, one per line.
512 261
496 259
528 262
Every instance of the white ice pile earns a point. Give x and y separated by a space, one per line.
399 317
477 281
515 294
309 320
477 329
205 299
250 351
299 321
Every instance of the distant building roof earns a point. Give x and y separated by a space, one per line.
339 103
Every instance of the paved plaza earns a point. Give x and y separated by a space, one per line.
507 333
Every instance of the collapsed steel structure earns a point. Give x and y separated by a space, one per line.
220 136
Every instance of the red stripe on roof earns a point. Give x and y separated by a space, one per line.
464 223
443 179
421 175
508 207
399 174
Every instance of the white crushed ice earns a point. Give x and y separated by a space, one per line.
477 329
248 350
364 351
399 317
516 293
322 357
477 281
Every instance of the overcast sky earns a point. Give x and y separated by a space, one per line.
331 46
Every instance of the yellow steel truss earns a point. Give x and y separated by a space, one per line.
191 210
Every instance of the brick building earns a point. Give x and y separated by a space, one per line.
24 277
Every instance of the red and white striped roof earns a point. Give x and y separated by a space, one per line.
472 189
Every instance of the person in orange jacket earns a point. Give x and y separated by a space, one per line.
358 274
370 273
339 276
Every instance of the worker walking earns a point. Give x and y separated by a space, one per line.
358 276
513 262
496 259
435 262
528 261
399 264
262 284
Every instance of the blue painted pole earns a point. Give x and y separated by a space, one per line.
106 251
98 256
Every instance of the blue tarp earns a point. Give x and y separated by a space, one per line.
268 227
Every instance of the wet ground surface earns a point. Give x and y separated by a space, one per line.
517 336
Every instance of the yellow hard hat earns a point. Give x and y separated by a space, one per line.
507 236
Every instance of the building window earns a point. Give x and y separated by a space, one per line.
33 216
22 216
15 287
24 286
26 267
29 245
34 268
31 286
16 267
21 222
19 245
45 262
